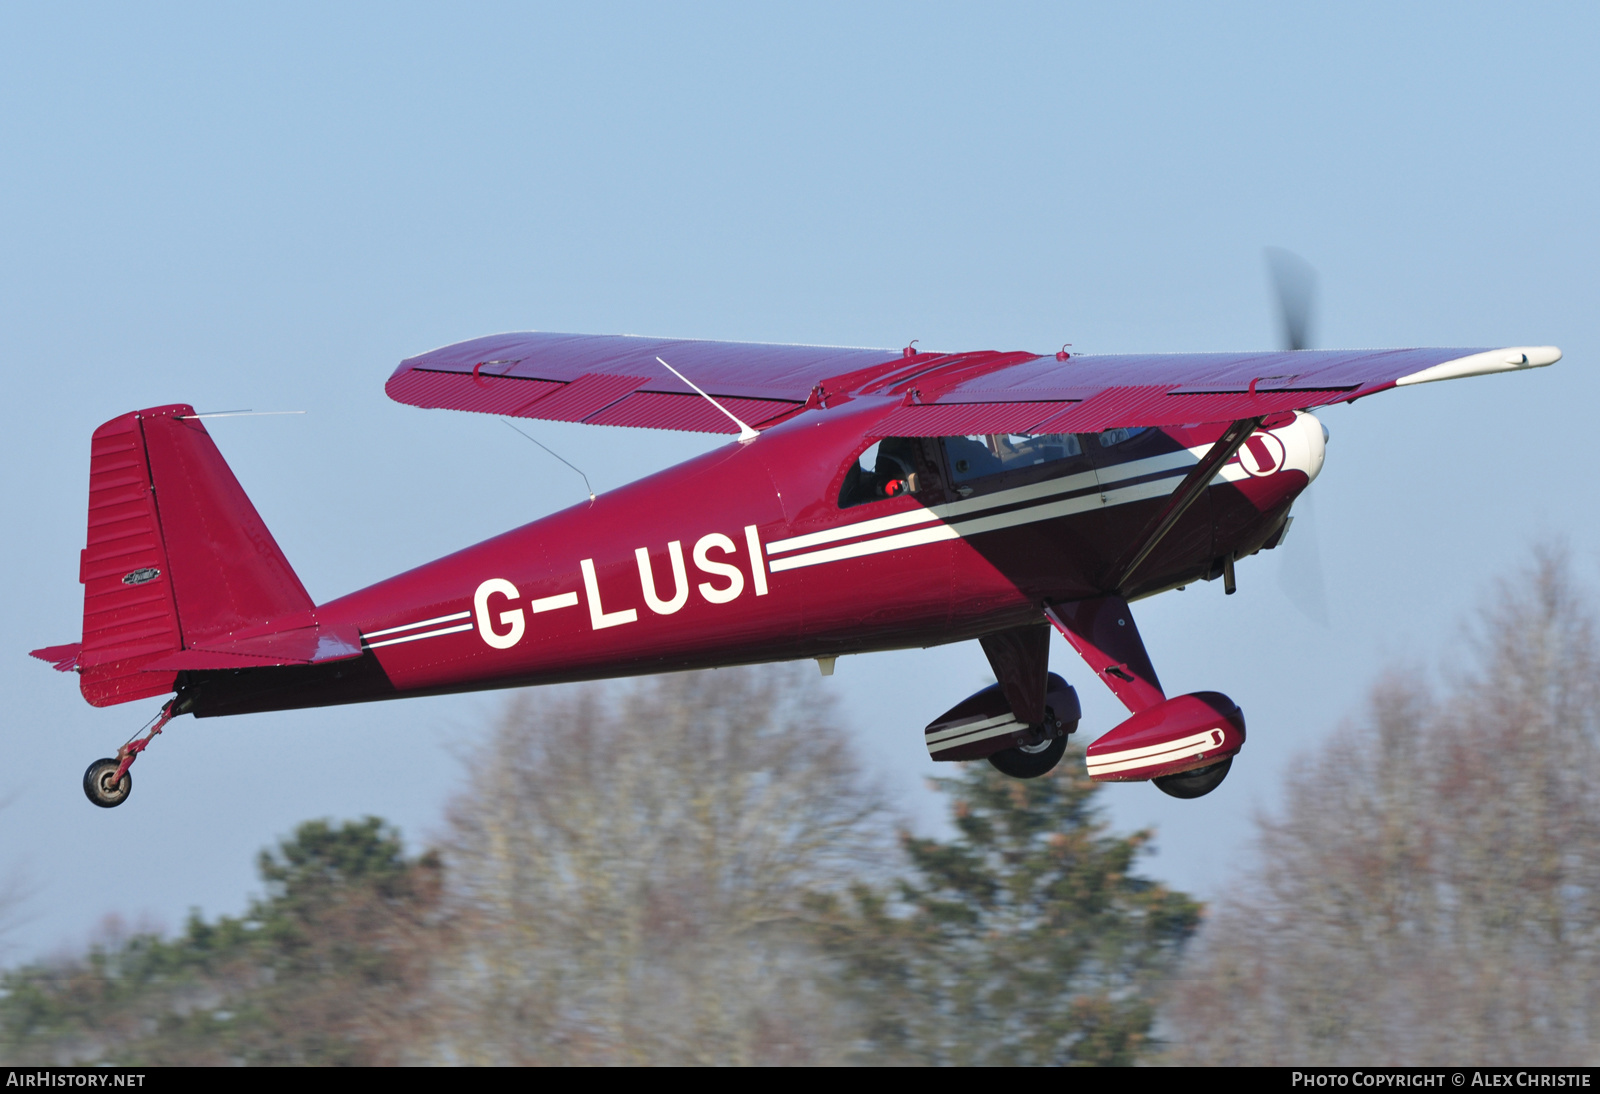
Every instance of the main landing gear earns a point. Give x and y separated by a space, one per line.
1038 757
1184 744
108 783
1030 761
1194 784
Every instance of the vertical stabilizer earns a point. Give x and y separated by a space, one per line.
177 556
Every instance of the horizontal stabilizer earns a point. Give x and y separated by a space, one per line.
302 646
64 658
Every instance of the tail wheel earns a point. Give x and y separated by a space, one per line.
1197 783
98 784
1030 761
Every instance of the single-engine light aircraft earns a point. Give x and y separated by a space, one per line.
873 500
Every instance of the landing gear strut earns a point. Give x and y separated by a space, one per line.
107 783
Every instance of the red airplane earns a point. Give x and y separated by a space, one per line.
873 500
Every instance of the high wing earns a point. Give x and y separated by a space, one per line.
617 380
1086 394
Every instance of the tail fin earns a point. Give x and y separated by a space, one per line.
177 556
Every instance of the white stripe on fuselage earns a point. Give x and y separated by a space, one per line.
422 623
424 634
1087 490
1050 499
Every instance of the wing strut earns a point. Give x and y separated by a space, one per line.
1185 495
745 432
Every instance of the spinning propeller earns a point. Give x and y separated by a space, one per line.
1294 284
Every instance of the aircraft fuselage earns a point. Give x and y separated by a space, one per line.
746 554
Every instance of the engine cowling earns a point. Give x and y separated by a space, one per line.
1181 734
982 723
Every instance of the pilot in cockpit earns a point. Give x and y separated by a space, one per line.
893 463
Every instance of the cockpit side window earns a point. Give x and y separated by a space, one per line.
888 469
979 456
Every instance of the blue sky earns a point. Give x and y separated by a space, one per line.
249 207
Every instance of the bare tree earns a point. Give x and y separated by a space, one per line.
15 890
1430 892
628 867
682 870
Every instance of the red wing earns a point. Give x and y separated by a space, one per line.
616 380
1086 394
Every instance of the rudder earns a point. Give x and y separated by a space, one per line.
177 556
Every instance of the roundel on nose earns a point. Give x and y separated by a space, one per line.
1261 454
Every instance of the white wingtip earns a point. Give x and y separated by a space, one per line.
1510 359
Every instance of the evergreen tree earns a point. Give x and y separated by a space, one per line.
685 871
325 969
1027 939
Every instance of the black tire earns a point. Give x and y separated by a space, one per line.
1197 783
97 784
1029 763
